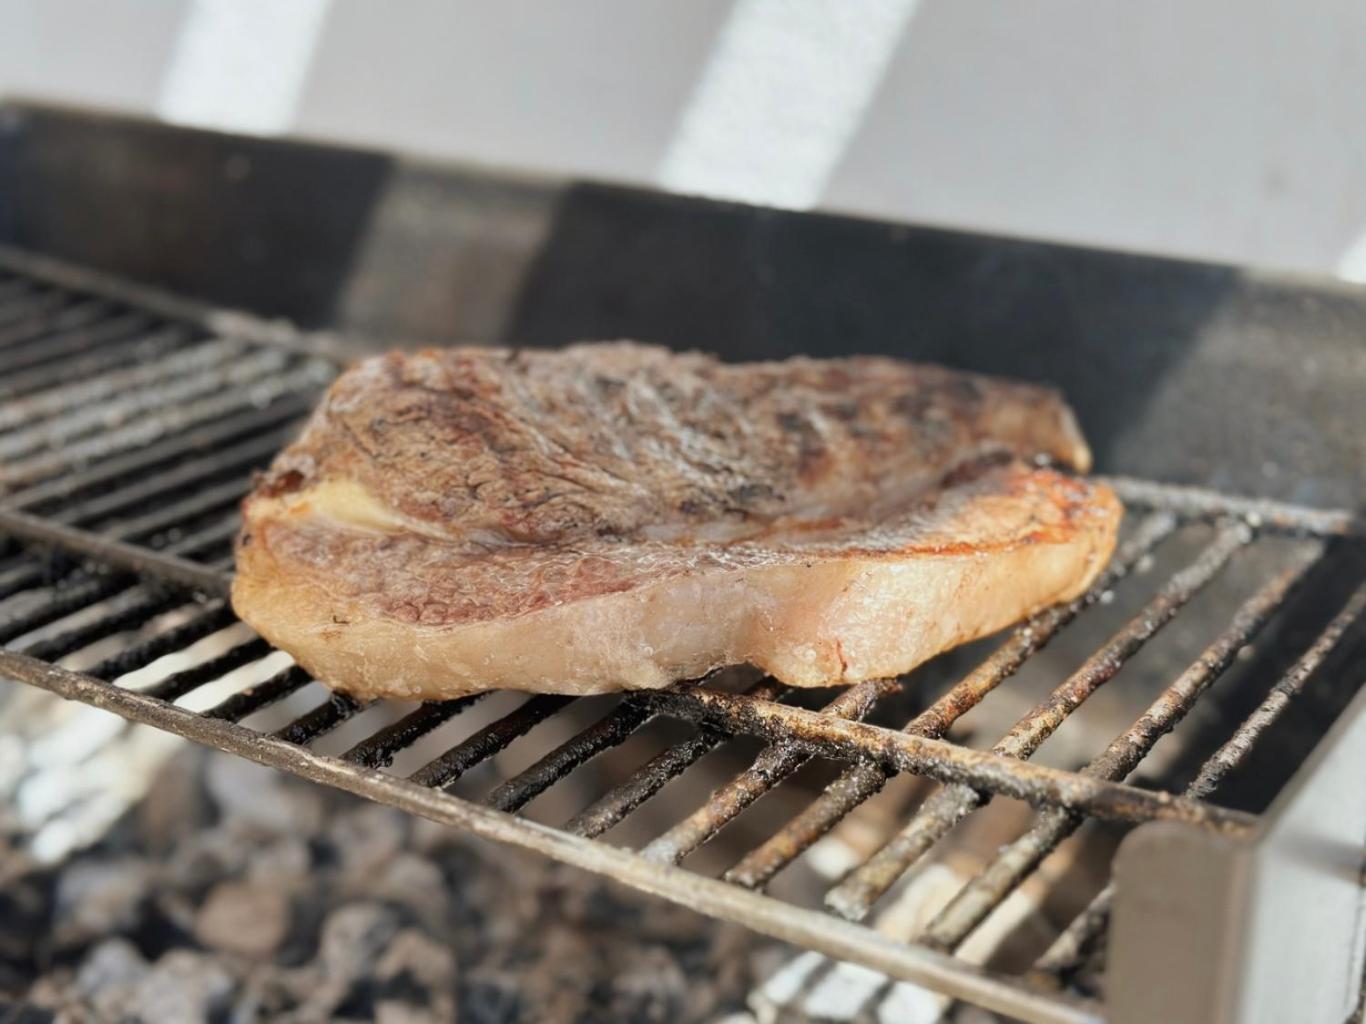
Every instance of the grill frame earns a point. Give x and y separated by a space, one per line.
795 734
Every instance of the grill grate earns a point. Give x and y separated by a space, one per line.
130 424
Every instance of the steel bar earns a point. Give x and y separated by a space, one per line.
862 781
70 597
609 731
128 610
946 762
63 319
175 686
854 896
772 766
379 750
261 695
117 553
85 350
1259 513
321 720
152 428
193 360
1069 949
73 425
808 928
613 806
490 740
1015 861
202 443
205 623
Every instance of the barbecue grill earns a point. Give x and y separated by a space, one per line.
130 424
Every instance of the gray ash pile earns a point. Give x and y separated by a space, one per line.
234 894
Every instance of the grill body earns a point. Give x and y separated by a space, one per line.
131 421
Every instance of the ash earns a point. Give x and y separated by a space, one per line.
235 894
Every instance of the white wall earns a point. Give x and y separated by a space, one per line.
1227 129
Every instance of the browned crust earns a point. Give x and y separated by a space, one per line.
505 512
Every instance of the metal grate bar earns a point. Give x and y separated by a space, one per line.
233 460
64 600
30 309
1260 513
262 695
72 425
856 894
321 720
205 623
1015 862
773 764
153 428
946 762
86 350
861 782
90 392
205 442
176 686
164 565
112 346
380 749
129 610
1069 949
490 740
609 731
77 315
609 809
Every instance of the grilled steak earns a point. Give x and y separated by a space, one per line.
616 516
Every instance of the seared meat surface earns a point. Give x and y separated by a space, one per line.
617 516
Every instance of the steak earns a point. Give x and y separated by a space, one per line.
616 515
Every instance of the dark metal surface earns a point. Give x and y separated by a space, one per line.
107 532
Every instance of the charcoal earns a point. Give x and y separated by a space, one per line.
183 986
253 897
245 918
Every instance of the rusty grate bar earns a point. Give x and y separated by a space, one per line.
855 895
1260 513
492 739
612 807
946 762
1014 862
1068 951
861 782
773 764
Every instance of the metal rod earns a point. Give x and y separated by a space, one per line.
855 895
128 611
773 764
175 686
1259 513
379 750
1016 861
85 350
207 622
862 781
647 780
609 731
946 762
492 739
262 695
200 443
321 720
1069 948
808 928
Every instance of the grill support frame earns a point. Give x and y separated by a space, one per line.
796 733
